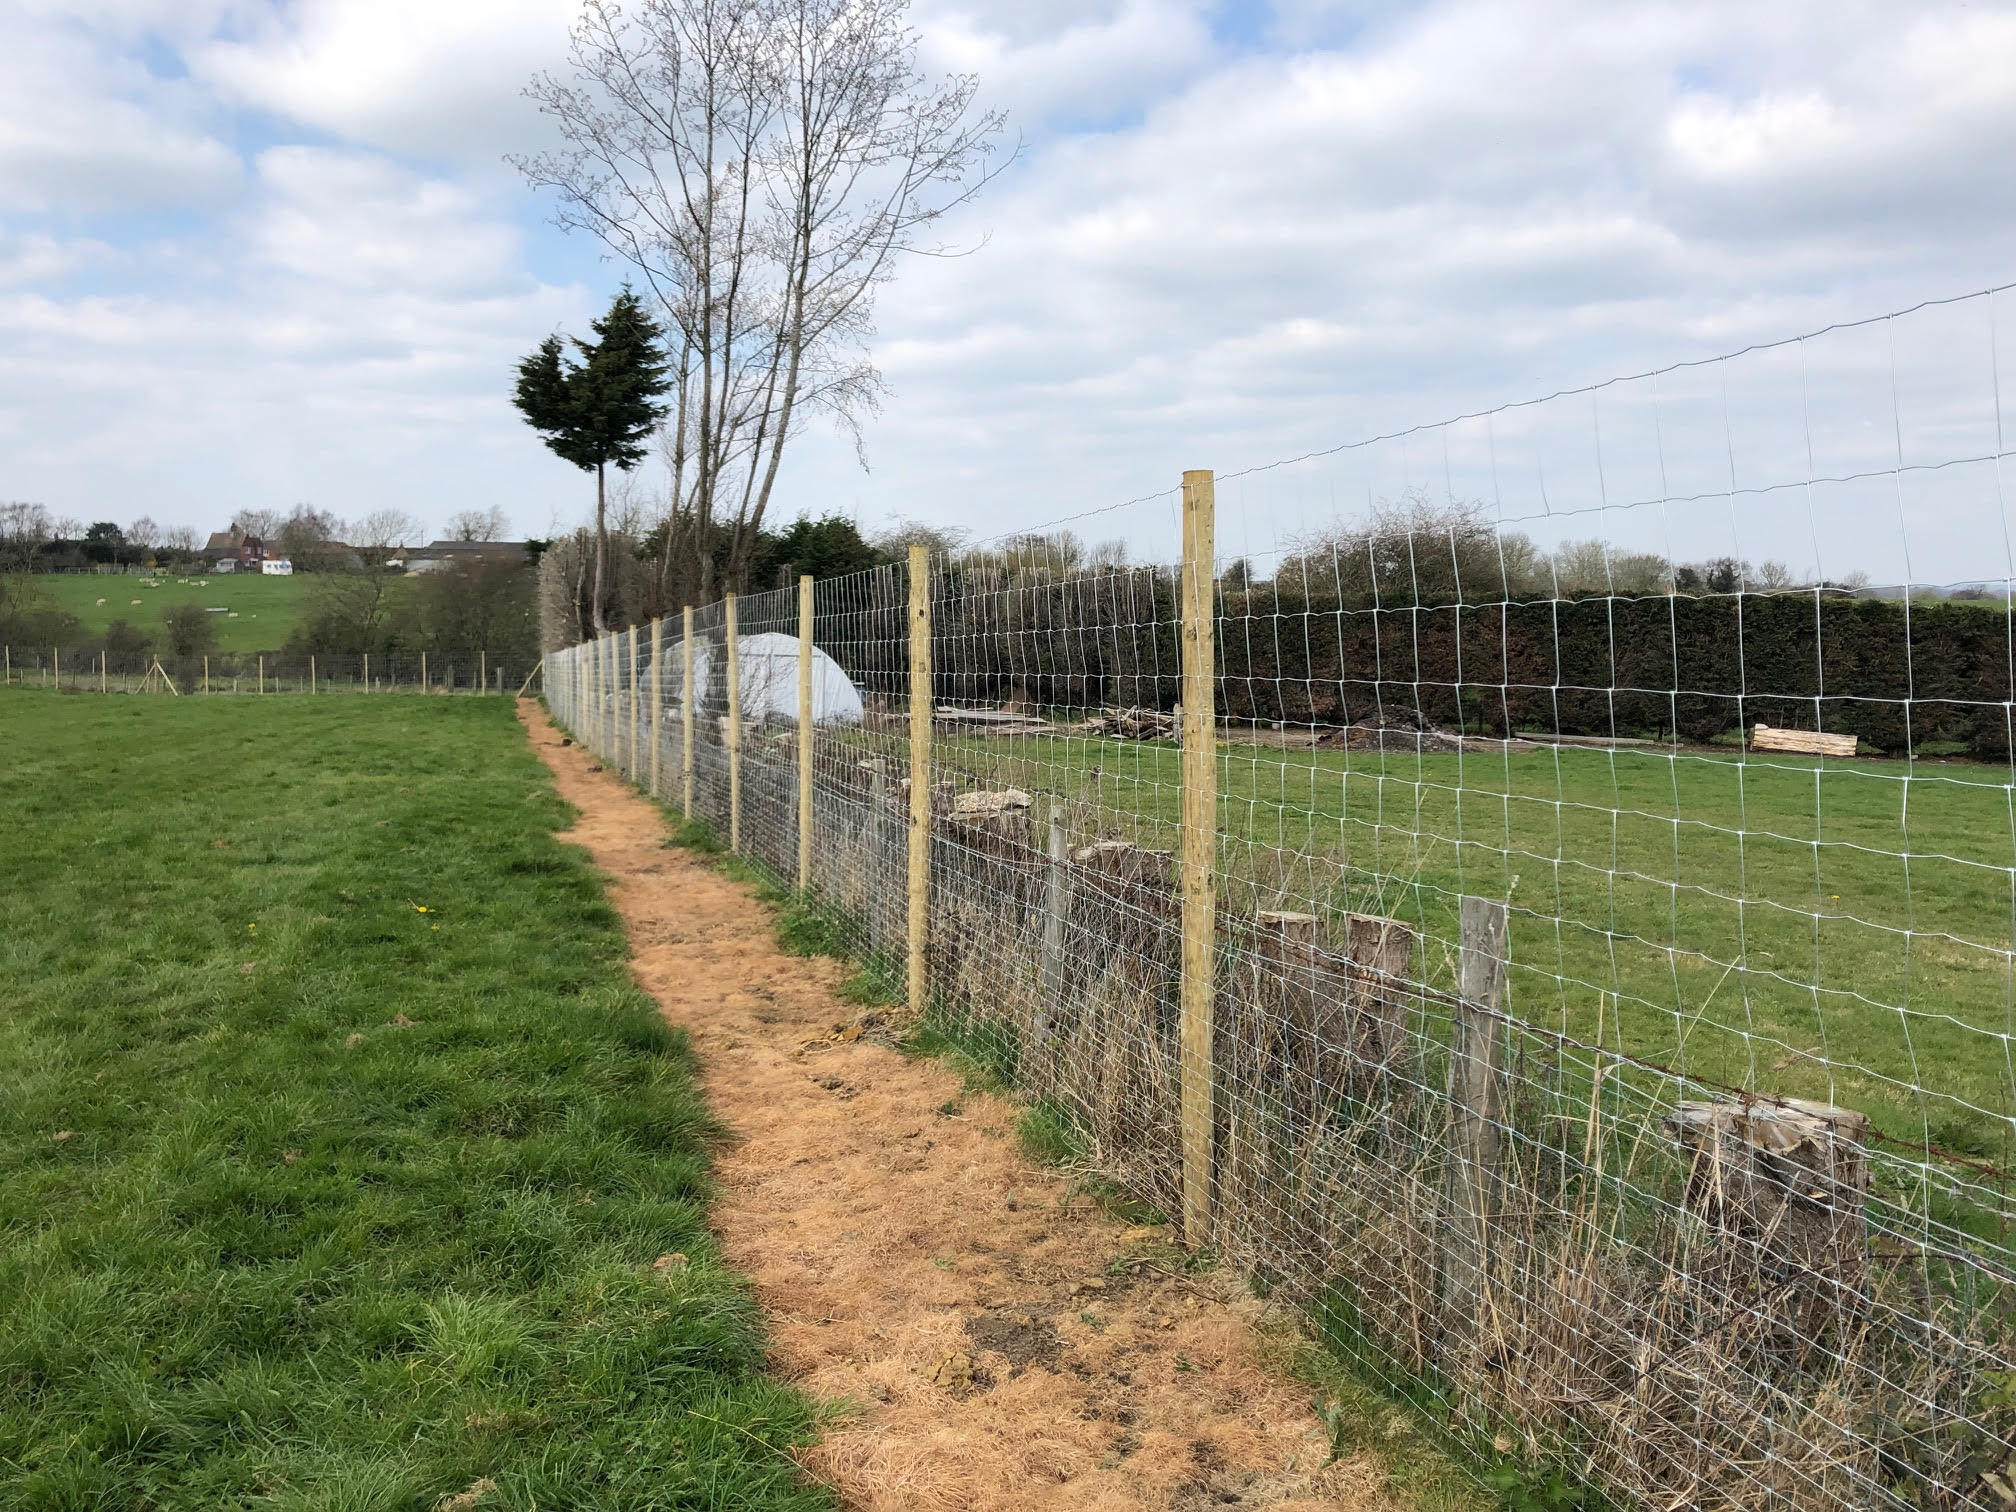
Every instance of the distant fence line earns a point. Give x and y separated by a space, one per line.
86 671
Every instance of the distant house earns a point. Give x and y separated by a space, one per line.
436 555
277 567
235 547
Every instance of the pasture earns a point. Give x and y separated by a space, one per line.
1833 930
261 611
336 1145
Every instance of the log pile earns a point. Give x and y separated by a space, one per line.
1133 724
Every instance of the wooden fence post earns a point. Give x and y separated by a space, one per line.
103 683
262 671
423 671
734 730
483 672
920 773
636 713
56 653
686 711
657 701
804 732
1200 846
1475 1119
313 687
206 674
367 672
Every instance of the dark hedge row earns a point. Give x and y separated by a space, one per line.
1897 676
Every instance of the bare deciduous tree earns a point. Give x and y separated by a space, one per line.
761 164
479 525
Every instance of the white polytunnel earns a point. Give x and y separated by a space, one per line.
769 666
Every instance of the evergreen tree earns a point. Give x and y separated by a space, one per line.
598 410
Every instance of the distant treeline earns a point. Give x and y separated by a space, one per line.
1900 676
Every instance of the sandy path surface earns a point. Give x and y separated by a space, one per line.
980 1315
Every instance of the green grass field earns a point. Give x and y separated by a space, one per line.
263 610
336 1147
1810 929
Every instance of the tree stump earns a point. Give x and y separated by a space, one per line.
1789 1182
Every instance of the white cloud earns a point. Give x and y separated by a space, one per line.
1219 246
440 79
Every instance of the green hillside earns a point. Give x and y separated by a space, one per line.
260 611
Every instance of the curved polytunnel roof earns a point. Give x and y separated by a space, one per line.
769 667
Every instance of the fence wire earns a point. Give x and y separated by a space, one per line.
1613 986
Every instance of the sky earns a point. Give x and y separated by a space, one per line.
254 254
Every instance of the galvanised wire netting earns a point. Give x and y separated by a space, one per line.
1612 984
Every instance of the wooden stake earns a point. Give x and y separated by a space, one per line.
103 687
312 685
636 712
262 674
804 732
657 703
686 710
423 671
920 773
483 672
1198 997
206 675
1475 1045
734 731
528 681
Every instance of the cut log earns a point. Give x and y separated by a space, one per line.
1791 1180
1801 742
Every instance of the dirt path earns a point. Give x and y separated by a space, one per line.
914 1263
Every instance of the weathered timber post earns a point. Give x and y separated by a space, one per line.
103 684
1200 834
206 676
1056 910
313 685
262 671
423 671
1475 1115
919 887
804 731
657 703
483 673
686 709
734 731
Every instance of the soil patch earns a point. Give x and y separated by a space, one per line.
915 1266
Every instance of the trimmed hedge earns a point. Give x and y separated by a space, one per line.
1897 676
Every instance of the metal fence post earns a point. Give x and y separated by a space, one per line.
734 730
1200 844
686 710
919 890
804 732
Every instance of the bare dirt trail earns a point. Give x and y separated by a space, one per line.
914 1263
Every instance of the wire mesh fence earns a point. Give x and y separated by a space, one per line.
84 670
1561 947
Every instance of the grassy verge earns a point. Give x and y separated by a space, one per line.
341 1166
1363 1414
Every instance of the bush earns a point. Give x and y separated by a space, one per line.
190 630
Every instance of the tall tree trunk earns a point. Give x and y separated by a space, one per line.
601 549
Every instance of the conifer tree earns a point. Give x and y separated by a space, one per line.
597 410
